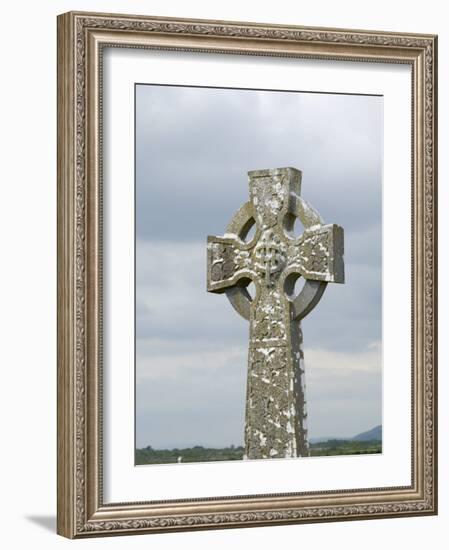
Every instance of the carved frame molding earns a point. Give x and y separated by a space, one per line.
81 37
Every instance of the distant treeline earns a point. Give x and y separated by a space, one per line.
332 447
335 447
148 455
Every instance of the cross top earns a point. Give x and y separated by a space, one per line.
273 260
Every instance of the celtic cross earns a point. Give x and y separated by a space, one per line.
273 260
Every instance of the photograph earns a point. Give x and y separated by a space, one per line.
249 205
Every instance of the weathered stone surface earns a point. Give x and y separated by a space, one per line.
273 260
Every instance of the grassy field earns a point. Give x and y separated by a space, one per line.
333 447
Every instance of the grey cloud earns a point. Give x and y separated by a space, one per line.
172 302
342 404
193 150
190 401
194 147
188 397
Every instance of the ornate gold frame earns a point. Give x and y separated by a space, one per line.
81 37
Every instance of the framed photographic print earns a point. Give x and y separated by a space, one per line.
246 274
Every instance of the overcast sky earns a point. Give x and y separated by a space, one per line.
194 147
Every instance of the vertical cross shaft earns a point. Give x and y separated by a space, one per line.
273 260
275 406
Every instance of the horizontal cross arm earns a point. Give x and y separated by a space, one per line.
228 264
319 254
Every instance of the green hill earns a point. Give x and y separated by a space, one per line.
373 434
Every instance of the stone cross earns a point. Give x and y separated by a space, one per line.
273 260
